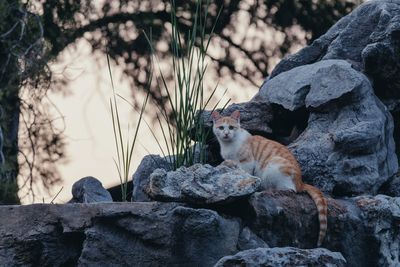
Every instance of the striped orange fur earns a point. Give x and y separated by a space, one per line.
271 161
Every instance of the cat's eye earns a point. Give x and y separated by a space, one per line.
231 127
221 127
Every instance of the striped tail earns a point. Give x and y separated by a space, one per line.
320 202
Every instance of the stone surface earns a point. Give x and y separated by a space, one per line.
254 116
392 186
141 177
369 38
249 240
364 229
114 234
279 257
202 184
347 147
88 190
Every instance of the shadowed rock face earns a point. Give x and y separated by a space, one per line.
114 234
141 177
364 229
284 257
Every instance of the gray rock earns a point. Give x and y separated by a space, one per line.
364 229
114 234
279 257
88 190
202 184
392 186
141 177
254 116
369 38
310 85
249 240
347 147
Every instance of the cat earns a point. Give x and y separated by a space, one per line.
269 160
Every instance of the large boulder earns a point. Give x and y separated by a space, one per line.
280 257
364 229
202 184
347 147
114 234
369 38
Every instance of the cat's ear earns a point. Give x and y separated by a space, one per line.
215 115
236 115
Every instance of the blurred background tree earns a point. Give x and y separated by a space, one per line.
250 38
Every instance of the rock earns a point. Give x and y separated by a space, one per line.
287 256
369 38
254 116
142 175
114 234
88 190
202 184
364 229
311 85
392 186
347 147
249 240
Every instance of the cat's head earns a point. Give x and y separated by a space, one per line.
226 128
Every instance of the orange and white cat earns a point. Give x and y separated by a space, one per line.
269 160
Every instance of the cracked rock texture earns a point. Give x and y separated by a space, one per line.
347 147
114 234
284 257
202 184
364 229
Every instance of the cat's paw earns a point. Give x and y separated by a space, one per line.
230 163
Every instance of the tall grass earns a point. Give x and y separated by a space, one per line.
124 144
178 118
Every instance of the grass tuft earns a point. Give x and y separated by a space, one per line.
177 119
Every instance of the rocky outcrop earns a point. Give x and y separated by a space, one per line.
369 38
114 234
334 103
279 257
347 147
202 184
88 190
364 229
